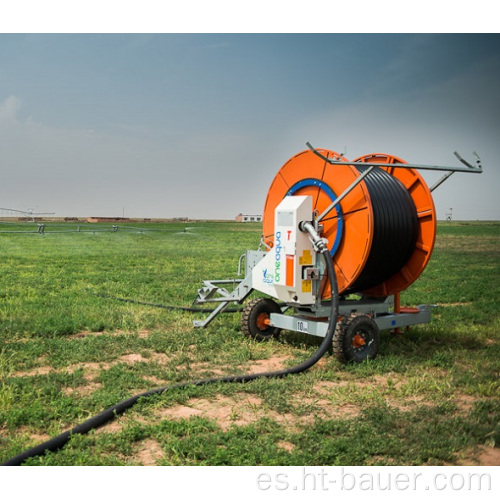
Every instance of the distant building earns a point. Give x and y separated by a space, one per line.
107 219
248 218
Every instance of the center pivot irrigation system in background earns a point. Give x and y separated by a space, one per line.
341 241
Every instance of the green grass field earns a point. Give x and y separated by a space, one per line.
66 353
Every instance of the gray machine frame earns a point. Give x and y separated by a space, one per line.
305 319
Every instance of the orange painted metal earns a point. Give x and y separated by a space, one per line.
263 321
358 341
410 310
355 245
357 213
290 264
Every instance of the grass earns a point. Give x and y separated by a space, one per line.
67 353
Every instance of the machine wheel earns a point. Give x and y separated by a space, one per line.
357 338
255 319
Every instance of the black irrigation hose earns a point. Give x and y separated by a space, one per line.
110 413
395 229
166 306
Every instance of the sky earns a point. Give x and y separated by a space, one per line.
198 125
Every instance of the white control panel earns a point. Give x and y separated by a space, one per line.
282 273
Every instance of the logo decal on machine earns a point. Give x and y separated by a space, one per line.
277 263
267 277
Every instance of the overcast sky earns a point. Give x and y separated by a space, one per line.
198 125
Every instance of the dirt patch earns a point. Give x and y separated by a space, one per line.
155 380
326 387
93 369
181 411
45 370
38 437
489 456
161 358
272 364
309 407
286 445
40 370
465 402
149 452
246 409
409 403
338 411
90 370
155 357
204 366
130 359
117 424
113 426
481 456
82 390
81 335
226 411
321 364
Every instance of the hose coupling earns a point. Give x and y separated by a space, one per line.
319 243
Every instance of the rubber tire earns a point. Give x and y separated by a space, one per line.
249 316
343 341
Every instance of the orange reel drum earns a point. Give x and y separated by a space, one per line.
354 228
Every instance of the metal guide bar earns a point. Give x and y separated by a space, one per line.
468 167
371 166
344 194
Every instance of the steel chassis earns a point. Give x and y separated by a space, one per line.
307 319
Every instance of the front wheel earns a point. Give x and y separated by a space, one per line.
356 338
255 319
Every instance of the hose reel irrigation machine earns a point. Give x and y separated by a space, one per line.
375 219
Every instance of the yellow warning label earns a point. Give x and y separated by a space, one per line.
306 258
306 286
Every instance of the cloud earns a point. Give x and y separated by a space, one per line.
9 109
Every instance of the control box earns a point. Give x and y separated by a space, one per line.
286 271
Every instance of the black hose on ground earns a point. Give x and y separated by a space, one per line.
167 306
110 413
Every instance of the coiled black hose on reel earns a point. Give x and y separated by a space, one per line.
110 413
395 229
